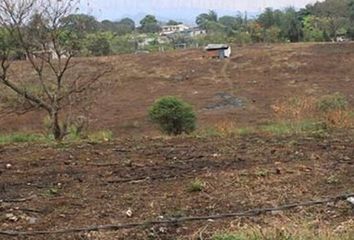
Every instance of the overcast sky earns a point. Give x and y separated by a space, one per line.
179 9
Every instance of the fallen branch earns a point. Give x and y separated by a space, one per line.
104 164
28 210
114 227
142 179
16 200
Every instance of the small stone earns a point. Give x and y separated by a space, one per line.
314 157
277 213
351 200
32 220
8 166
11 217
129 213
346 158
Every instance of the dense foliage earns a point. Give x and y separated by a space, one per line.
323 21
173 115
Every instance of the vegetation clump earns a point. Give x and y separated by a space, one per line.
196 186
333 102
173 115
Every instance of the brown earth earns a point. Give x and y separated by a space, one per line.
241 89
94 184
89 184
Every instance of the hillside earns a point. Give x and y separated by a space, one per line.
61 190
240 90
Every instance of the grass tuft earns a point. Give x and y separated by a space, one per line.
196 186
20 138
283 235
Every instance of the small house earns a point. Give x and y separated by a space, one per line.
171 29
220 51
194 32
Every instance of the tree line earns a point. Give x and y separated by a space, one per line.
318 22
322 21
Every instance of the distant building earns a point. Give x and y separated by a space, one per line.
44 55
47 54
218 50
193 32
341 38
171 29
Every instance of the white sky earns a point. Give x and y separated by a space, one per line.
114 9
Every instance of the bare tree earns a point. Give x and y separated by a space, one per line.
36 29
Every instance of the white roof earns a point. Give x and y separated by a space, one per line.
216 46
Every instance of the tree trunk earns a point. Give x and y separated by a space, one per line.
56 129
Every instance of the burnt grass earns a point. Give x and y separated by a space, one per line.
66 186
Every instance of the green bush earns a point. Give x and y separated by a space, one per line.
173 115
332 102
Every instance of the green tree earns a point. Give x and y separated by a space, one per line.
81 24
266 19
203 19
122 27
335 13
99 44
128 22
173 22
312 30
149 24
351 19
291 25
228 21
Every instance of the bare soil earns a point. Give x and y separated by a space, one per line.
241 89
94 184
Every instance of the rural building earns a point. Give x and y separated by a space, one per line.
218 50
341 38
47 54
170 29
44 54
194 32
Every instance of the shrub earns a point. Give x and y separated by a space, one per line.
332 102
196 186
173 115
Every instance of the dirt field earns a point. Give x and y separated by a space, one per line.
86 184
241 89
142 176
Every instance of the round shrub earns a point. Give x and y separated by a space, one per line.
173 115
